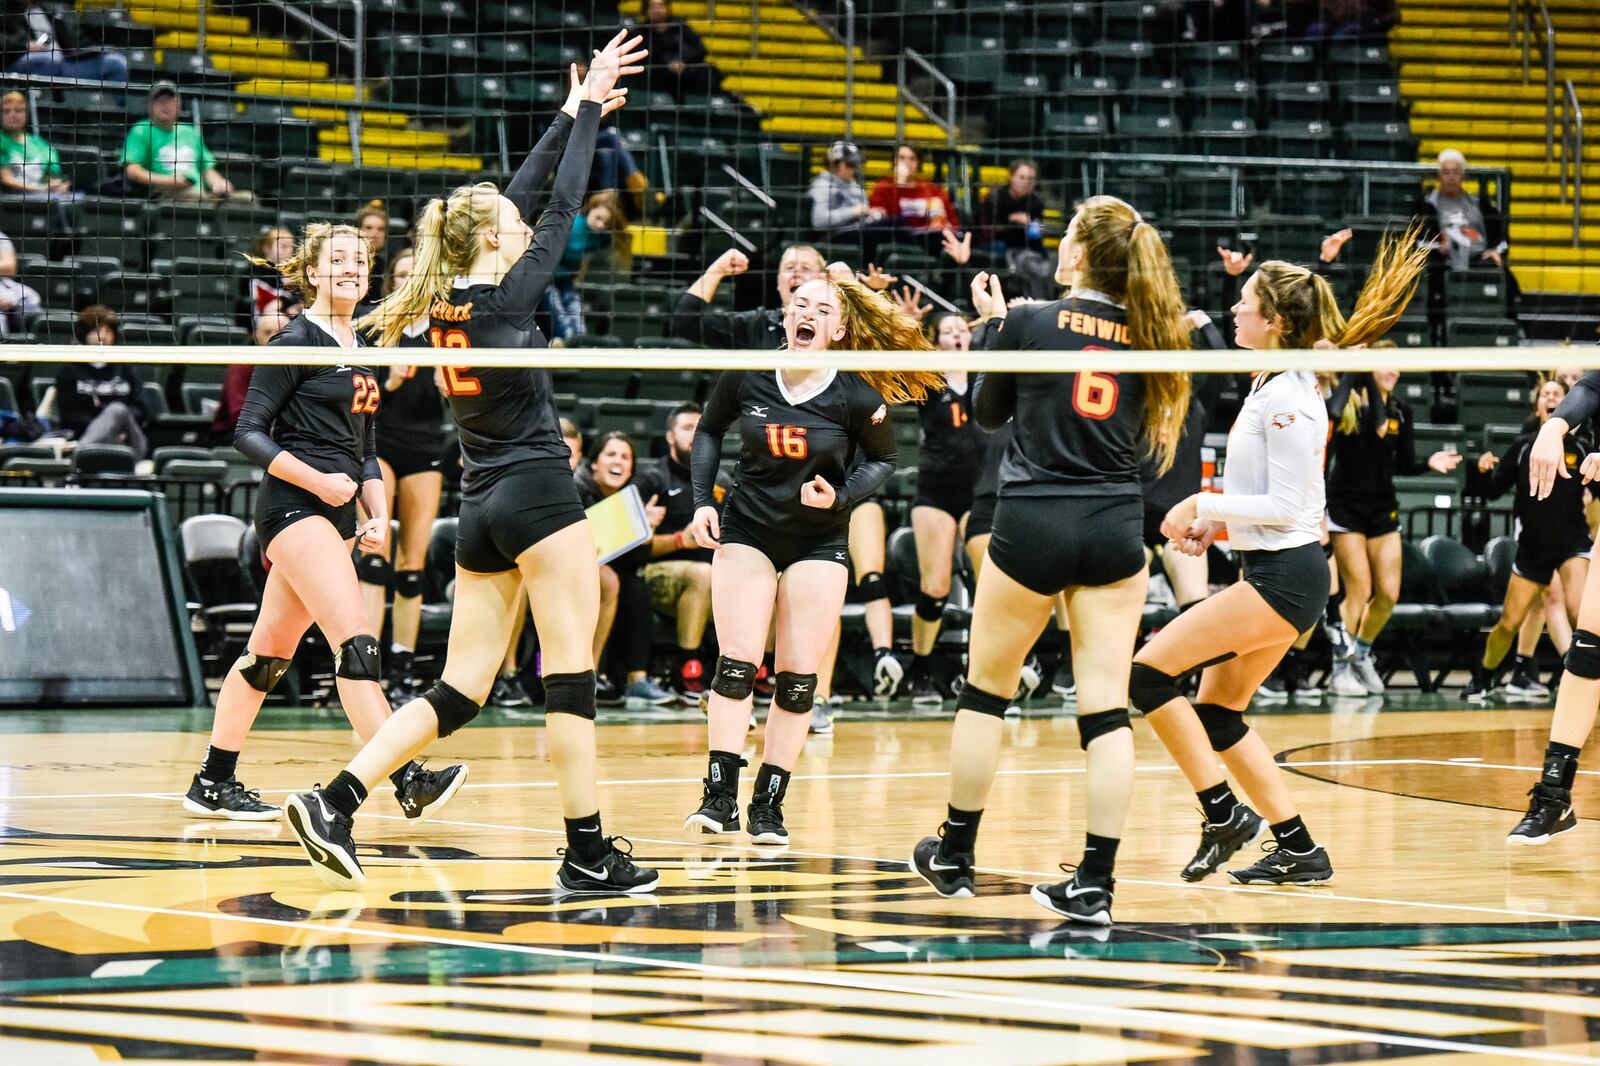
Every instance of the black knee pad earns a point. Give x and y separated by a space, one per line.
973 698
1583 656
1150 689
794 692
408 583
872 587
734 678
261 672
375 570
359 659
930 608
570 694
1224 726
451 708
1093 726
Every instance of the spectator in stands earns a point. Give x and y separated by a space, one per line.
171 160
237 382
373 222
677 55
563 300
1012 216
1348 19
28 164
42 39
839 207
679 570
627 622
1465 231
16 299
101 403
694 320
264 287
919 209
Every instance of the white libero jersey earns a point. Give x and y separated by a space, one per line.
1273 492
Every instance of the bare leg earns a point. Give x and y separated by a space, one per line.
810 594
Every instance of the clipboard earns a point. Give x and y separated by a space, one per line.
618 524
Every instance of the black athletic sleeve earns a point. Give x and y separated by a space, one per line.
1405 446
994 394
1582 402
1371 413
694 321
524 186
270 389
370 471
1509 472
875 468
705 455
527 279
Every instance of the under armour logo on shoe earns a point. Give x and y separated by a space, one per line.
211 794
409 804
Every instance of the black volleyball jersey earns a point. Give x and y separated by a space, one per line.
952 443
987 481
1582 401
1557 522
1186 475
1362 464
411 417
506 416
1077 434
786 440
322 415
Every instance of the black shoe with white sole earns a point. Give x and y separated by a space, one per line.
425 792
766 822
1083 901
1549 815
718 813
1219 841
614 873
948 875
1281 867
327 837
227 799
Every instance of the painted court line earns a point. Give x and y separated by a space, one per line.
881 776
1131 1018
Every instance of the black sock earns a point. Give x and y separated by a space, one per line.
1560 764
1099 857
723 771
1293 835
1218 802
585 839
961 831
400 775
345 793
772 784
1522 666
878 653
220 765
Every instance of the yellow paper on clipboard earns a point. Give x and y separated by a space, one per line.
618 524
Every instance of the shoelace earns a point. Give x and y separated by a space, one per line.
759 808
251 794
621 858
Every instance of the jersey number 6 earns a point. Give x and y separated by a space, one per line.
787 442
366 398
1094 395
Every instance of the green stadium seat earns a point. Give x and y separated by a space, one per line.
1358 62
972 59
1223 136
1287 61
1483 291
1481 332
1289 139
1161 134
1153 97
1373 101
1124 60
1379 141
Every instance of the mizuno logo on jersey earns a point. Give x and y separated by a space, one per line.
757 411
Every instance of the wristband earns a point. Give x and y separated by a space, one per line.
677 540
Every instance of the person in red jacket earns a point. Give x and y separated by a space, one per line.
920 210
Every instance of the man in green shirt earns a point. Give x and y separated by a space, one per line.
27 163
172 161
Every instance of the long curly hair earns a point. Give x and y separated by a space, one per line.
1309 310
296 270
872 323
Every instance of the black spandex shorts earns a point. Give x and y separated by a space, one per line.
949 492
1368 519
1152 529
1293 581
524 505
280 505
1049 543
980 516
407 461
784 549
1538 563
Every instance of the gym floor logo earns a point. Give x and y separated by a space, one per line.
215 948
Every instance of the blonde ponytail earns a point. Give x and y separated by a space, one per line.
1390 285
1306 306
447 243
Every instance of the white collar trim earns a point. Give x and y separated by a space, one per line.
317 320
1097 296
794 400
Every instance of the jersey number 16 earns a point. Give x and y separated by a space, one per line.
787 442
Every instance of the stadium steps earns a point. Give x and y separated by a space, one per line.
1461 74
269 66
794 76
